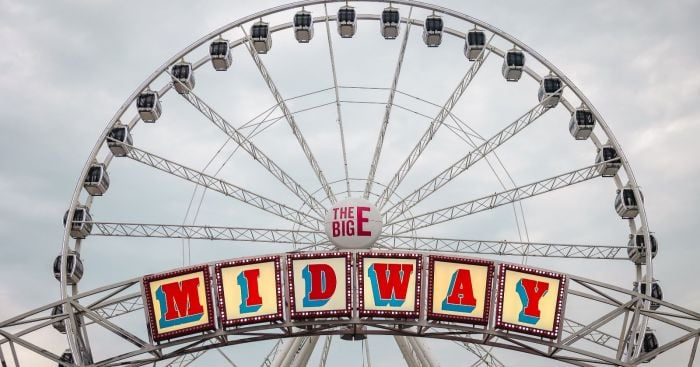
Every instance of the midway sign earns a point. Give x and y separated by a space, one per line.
354 285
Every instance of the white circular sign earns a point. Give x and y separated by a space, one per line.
353 223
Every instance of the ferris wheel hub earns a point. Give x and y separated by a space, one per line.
353 223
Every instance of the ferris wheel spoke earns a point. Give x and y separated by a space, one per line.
466 162
290 119
228 189
337 100
196 232
255 152
492 201
505 248
484 356
421 351
325 351
433 128
267 362
387 110
301 359
406 351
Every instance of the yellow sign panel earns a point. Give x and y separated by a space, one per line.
320 284
249 291
389 284
459 289
179 303
530 301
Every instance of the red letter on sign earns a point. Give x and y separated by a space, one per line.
461 289
182 299
252 275
530 292
360 220
390 283
323 281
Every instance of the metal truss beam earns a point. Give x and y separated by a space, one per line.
123 306
492 201
445 111
484 356
465 162
337 99
255 152
387 111
290 119
570 349
512 248
326 350
228 189
267 362
97 318
577 330
196 232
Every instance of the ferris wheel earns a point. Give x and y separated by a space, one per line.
459 140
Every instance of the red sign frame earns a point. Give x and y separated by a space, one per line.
487 298
561 293
146 283
226 322
361 286
348 286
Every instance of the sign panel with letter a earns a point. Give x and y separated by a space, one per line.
389 284
319 284
530 301
249 290
459 289
179 303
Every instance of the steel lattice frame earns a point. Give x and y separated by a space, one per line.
582 343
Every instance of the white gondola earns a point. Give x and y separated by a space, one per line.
66 357
260 34
59 325
347 21
303 26
183 77
97 180
220 53
637 250
74 268
550 91
148 104
582 123
78 228
656 292
474 44
390 23
118 135
513 65
649 342
432 31
608 154
626 204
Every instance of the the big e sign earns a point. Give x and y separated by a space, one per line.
353 223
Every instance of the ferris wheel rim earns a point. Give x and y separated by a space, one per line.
65 249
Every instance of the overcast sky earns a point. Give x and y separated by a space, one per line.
66 68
